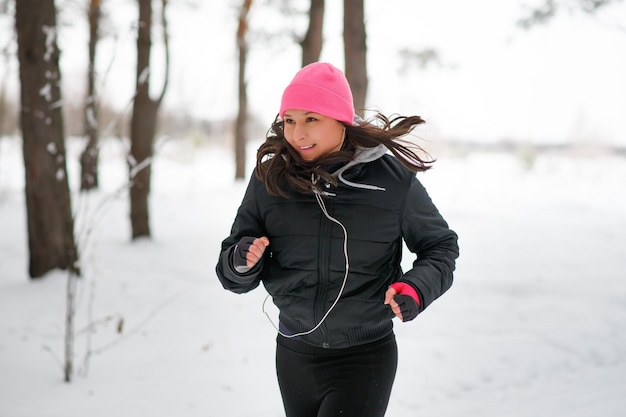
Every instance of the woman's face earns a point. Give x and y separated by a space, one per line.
312 135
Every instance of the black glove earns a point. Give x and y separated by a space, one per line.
241 252
408 306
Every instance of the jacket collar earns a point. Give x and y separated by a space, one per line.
361 156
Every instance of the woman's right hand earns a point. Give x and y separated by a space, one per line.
249 251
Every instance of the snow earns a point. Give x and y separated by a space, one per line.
532 327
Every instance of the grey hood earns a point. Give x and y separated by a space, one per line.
361 156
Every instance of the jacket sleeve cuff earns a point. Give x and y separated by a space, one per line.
242 269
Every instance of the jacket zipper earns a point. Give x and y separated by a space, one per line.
324 274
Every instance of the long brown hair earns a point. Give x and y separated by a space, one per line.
281 168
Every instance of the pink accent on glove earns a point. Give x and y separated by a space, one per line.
406 289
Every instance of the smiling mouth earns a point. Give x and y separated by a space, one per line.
306 148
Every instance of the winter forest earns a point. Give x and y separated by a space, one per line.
129 129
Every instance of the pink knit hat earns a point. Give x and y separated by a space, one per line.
321 88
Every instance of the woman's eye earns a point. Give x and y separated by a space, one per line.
311 119
288 121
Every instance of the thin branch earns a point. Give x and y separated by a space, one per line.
166 43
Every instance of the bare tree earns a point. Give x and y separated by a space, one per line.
50 224
355 50
314 39
89 156
550 8
6 54
144 119
4 105
242 114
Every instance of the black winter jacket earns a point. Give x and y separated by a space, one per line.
303 268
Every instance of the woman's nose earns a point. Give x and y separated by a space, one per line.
298 132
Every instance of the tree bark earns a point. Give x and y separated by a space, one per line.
89 156
355 51
314 38
50 224
144 120
142 127
242 114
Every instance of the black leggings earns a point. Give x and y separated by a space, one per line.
351 382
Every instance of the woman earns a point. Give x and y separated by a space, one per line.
322 225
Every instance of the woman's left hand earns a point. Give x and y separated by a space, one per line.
392 303
404 306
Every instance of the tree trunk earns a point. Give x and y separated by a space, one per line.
143 128
89 156
355 50
242 114
314 38
50 224
144 119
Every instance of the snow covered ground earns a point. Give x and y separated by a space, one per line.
534 325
